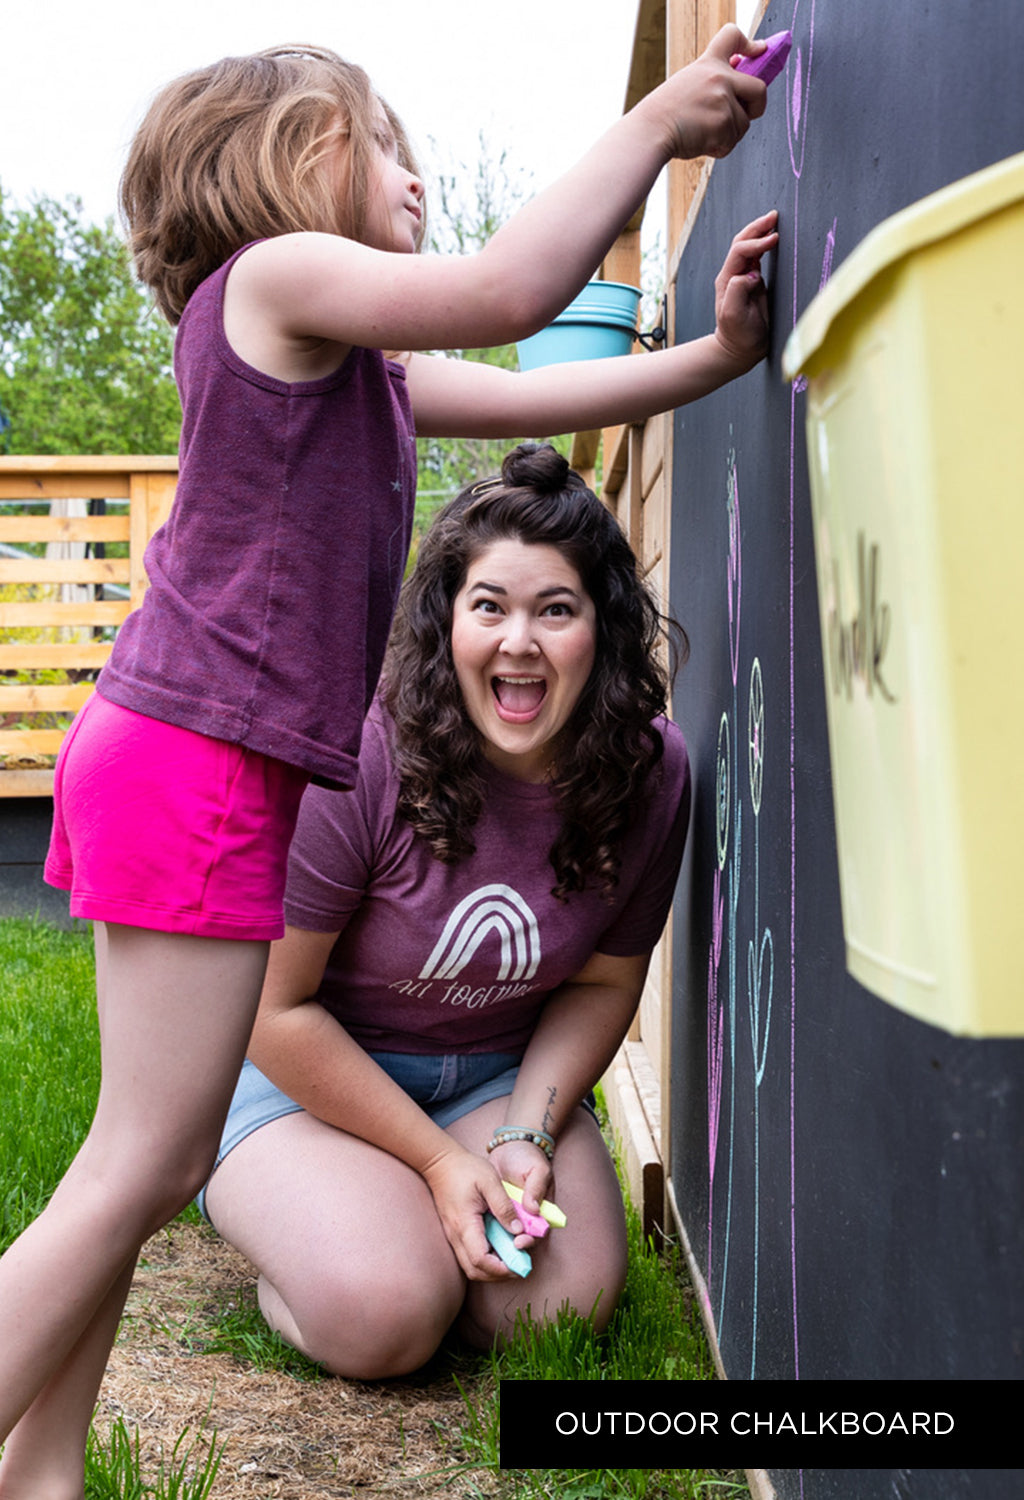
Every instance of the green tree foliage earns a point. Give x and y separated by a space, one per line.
85 359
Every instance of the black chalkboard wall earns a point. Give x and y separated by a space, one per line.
849 1178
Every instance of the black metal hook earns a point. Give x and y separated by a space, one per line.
655 337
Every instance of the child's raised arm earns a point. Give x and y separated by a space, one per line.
702 110
291 292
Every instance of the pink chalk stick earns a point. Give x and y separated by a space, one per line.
549 1211
770 63
532 1223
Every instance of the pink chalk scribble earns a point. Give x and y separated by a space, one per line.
798 82
733 575
796 98
829 256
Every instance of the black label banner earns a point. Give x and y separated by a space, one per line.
666 1424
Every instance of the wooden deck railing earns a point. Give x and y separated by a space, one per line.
66 583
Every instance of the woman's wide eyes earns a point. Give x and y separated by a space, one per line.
557 610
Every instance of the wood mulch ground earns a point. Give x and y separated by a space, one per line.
286 1439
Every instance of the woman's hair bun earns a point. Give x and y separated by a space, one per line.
536 466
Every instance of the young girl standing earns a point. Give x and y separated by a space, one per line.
273 209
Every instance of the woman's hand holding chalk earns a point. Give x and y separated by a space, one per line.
549 1211
769 63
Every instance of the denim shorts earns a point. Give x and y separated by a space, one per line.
445 1087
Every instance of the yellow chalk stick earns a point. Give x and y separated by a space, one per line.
549 1211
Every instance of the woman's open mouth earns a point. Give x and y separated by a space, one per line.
518 700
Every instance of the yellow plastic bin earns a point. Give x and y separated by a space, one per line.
914 356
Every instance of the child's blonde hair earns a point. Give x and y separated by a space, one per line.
244 150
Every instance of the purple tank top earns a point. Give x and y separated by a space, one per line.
274 581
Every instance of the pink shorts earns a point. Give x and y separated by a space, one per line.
159 827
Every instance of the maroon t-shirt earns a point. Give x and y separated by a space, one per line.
274 582
436 958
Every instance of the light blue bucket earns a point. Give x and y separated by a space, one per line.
600 322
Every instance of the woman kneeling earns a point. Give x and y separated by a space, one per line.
469 930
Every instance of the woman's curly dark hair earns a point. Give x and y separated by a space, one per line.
609 746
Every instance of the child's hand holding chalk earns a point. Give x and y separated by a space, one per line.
769 63
706 107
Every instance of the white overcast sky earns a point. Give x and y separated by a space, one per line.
541 78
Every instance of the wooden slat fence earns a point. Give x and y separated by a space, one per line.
73 531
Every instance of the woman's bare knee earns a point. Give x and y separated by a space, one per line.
356 1327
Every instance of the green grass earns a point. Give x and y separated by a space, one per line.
49 1062
49 1076
652 1335
113 1470
238 1329
655 1334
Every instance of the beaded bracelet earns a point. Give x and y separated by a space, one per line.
538 1138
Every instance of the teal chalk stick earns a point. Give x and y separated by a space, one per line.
503 1245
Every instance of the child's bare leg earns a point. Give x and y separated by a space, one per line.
43 1455
43 1452
176 1013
